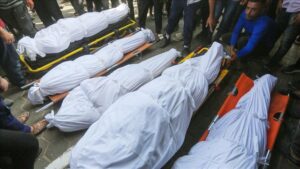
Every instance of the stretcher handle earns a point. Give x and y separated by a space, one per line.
44 107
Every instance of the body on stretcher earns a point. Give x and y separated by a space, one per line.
81 47
276 112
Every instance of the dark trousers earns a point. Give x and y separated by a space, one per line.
230 9
17 150
131 7
143 11
296 143
90 6
9 61
19 21
177 8
78 6
9 122
290 31
48 11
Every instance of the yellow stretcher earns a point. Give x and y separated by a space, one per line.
77 49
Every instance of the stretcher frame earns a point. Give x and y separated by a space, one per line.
58 97
278 106
76 51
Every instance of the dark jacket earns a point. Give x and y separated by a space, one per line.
8 4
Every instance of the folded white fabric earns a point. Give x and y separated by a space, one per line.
144 129
87 102
238 140
57 37
70 74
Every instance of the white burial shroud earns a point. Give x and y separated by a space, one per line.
238 140
70 74
86 103
57 37
144 129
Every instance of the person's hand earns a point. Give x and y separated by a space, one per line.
7 37
30 4
3 84
210 23
232 53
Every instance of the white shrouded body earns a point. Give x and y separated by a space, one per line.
145 128
70 74
58 36
87 102
238 140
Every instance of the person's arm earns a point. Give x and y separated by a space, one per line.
237 30
211 18
254 39
3 84
30 4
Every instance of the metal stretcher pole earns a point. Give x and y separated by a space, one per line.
44 107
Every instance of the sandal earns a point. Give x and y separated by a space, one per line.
38 127
23 117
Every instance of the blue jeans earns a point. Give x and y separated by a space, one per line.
230 7
290 31
177 8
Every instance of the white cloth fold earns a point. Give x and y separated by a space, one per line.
239 138
70 74
95 95
144 129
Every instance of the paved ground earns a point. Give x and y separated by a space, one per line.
54 142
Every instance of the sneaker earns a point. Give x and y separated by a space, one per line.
185 50
166 40
159 37
23 117
291 69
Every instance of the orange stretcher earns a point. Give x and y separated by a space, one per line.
277 109
58 97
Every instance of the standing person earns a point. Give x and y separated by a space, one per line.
143 11
188 7
90 5
78 7
229 6
288 20
48 11
9 59
16 16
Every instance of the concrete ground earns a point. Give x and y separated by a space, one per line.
54 143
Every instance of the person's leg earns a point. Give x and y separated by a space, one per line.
104 4
158 4
8 121
168 7
114 3
143 11
175 15
78 6
289 36
219 6
227 18
189 22
9 61
97 5
89 5
41 9
23 20
54 9
131 7
21 147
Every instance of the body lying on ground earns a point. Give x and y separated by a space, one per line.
86 103
238 140
70 74
144 129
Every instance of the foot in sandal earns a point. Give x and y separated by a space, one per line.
23 117
38 127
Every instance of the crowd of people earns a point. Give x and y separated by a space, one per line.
247 27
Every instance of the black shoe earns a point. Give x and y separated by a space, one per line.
287 152
185 51
291 69
166 41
